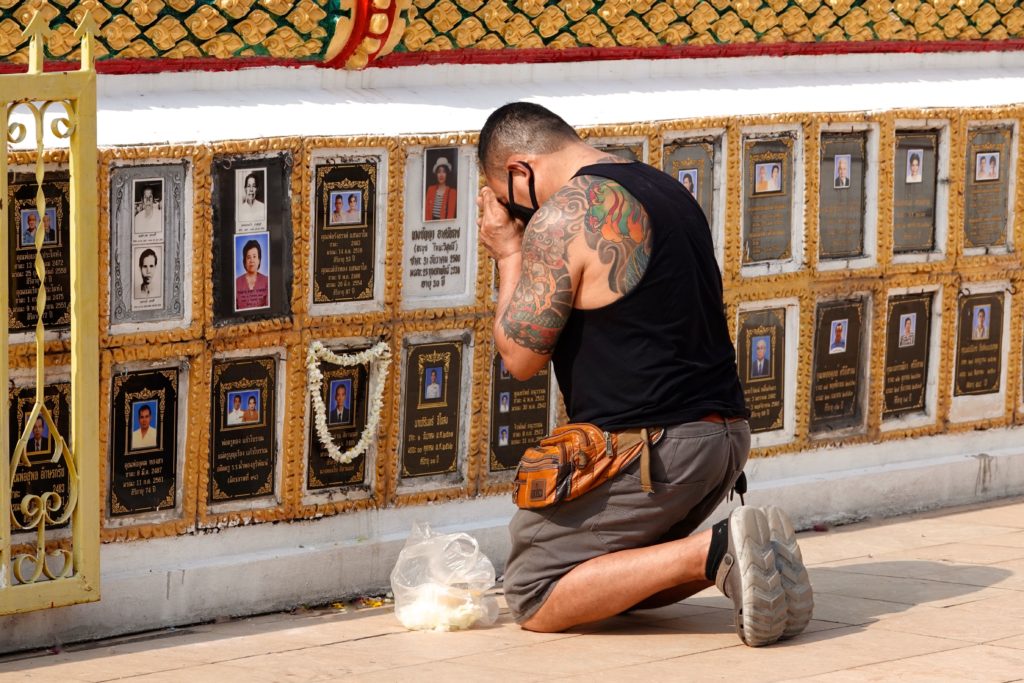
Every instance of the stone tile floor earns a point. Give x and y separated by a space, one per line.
922 598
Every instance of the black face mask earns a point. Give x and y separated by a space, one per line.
523 213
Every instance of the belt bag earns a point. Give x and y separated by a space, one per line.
576 458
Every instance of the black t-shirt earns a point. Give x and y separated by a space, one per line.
660 355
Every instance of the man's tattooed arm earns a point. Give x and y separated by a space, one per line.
612 224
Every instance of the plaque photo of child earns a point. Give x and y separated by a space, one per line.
908 330
340 408
250 199
145 427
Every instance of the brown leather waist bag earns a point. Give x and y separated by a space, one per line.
579 457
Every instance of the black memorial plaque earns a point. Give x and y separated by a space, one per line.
344 393
519 414
979 344
914 176
55 227
252 237
841 195
761 361
143 441
433 386
631 151
987 187
907 333
242 445
344 232
42 475
768 205
836 382
692 163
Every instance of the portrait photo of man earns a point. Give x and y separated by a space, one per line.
837 336
39 441
504 402
147 209
144 425
841 179
503 436
252 268
908 330
340 409
688 177
914 158
30 225
433 384
147 277
761 357
980 320
986 166
440 195
236 415
250 199
346 208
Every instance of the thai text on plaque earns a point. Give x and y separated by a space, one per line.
979 342
692 163
344 393
907 334
143 441
519 414
841 195
836 381
433 386
344 231
987 187
242 431
147 232
24 224
436 252
768 205
915 171
252 237
43 474
761 365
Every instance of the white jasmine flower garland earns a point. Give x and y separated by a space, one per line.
380 356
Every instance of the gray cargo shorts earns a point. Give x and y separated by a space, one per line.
693 467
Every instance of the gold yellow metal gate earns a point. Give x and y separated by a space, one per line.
37 571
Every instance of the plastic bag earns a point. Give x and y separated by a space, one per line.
440 580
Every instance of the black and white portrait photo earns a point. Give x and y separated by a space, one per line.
147 210
250 199
147 277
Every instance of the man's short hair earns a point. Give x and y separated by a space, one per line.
145 253
147 409
521 127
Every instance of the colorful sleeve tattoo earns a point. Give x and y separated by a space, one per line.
612 223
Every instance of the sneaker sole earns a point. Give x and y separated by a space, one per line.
790 564
762 617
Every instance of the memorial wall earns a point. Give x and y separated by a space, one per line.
294 328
